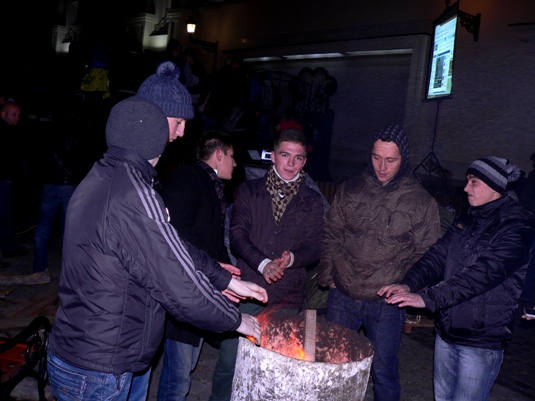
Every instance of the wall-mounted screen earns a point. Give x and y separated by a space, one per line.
440 75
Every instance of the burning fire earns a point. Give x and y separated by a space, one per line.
286 333
285 340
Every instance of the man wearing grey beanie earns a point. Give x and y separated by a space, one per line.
124 266
472 279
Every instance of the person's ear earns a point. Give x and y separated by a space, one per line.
218 156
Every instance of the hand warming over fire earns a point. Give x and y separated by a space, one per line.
236 273
284 260
406 299
246 289
250 327
274 270
392 289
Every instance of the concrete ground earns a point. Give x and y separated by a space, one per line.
515 381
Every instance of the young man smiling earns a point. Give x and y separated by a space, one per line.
275 234
471 279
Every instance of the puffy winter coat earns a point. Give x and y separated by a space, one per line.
475 274
374 234
123 266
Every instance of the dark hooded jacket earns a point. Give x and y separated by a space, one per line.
373 232
475 274
124 265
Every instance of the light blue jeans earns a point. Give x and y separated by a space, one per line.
71 383
464 373
179 360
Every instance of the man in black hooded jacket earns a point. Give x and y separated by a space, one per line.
471 279
124 266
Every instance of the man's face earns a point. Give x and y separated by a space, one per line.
386 160
225 164
176 127
289 159
11 114
478 192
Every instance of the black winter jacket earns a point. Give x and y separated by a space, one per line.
196 213
123 266
475 274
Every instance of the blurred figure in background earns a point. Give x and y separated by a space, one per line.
12 170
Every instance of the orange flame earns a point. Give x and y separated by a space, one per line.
293 347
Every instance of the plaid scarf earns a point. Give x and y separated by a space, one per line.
281 192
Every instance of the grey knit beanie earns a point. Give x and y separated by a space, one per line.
164 89
138 125
496 172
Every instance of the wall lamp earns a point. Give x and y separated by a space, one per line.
210 47
468 21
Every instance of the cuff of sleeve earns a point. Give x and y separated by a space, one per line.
292 258
262 265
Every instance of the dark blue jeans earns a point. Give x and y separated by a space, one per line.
53 197
6 218
179 360
383 325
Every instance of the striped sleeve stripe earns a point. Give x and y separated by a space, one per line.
148 198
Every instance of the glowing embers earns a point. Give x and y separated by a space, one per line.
276 370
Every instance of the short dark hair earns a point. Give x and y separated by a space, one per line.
212 141
290 135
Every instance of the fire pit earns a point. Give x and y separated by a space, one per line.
287 365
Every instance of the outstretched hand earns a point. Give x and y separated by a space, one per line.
250 327
392 289
245 289
400 294
236 273
403 299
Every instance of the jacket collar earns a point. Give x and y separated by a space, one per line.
482 212
121 154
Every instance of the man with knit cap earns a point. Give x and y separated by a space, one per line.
124 266
471 279
164 89
380 223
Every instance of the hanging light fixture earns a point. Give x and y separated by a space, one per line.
210 47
